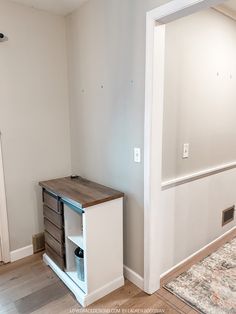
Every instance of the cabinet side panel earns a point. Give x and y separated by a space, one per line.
103 236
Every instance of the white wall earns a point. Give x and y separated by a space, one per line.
34 118
106 46
199 104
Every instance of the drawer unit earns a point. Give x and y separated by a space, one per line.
54 244
57 233
52 201
55 257
54 228
53 217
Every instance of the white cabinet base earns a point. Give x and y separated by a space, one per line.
83 298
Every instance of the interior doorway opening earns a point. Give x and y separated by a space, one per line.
154 215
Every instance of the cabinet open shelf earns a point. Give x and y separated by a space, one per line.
78 240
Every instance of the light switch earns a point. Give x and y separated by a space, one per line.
186 150
137 154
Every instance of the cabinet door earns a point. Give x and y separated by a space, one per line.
56 258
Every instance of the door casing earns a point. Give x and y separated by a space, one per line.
4 233
154 103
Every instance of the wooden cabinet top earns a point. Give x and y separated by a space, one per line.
81 191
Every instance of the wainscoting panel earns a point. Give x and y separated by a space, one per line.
193 215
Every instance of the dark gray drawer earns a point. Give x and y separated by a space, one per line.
54 217
52 201
54 231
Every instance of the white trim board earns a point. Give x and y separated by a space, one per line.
197 175
4 232
196 253
225 11
83 298
154 89
138 281
129 274
133 277
21 253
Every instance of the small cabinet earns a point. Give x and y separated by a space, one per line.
82 214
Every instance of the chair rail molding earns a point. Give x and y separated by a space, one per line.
197 175
154 91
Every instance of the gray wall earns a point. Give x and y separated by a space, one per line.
34 118
199 103
106 47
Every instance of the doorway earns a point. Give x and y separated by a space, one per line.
154 233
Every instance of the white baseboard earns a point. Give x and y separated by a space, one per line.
103 291
21 253
196 253
135 278
83 298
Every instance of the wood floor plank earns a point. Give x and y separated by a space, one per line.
29 286
38 299
117 298
63 305
170 298
142 301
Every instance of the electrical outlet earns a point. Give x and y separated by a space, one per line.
137 154
185 150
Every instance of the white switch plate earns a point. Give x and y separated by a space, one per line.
137 154
186 150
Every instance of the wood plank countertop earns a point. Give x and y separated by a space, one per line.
83 192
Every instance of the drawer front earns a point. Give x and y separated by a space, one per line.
53 217
57 233
56 258
56 246
52 202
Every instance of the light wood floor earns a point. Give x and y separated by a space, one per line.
29 286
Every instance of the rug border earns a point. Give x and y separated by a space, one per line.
181 298
186 302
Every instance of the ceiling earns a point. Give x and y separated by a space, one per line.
64 7
60 7
231 5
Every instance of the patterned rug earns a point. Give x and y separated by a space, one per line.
210 285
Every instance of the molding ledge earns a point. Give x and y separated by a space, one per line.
133 277
197 175
223 9
21 253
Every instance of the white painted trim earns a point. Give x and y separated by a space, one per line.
153 214
4 232
21 253
197 175
196 253
83 298
226 11
133 277
103 291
